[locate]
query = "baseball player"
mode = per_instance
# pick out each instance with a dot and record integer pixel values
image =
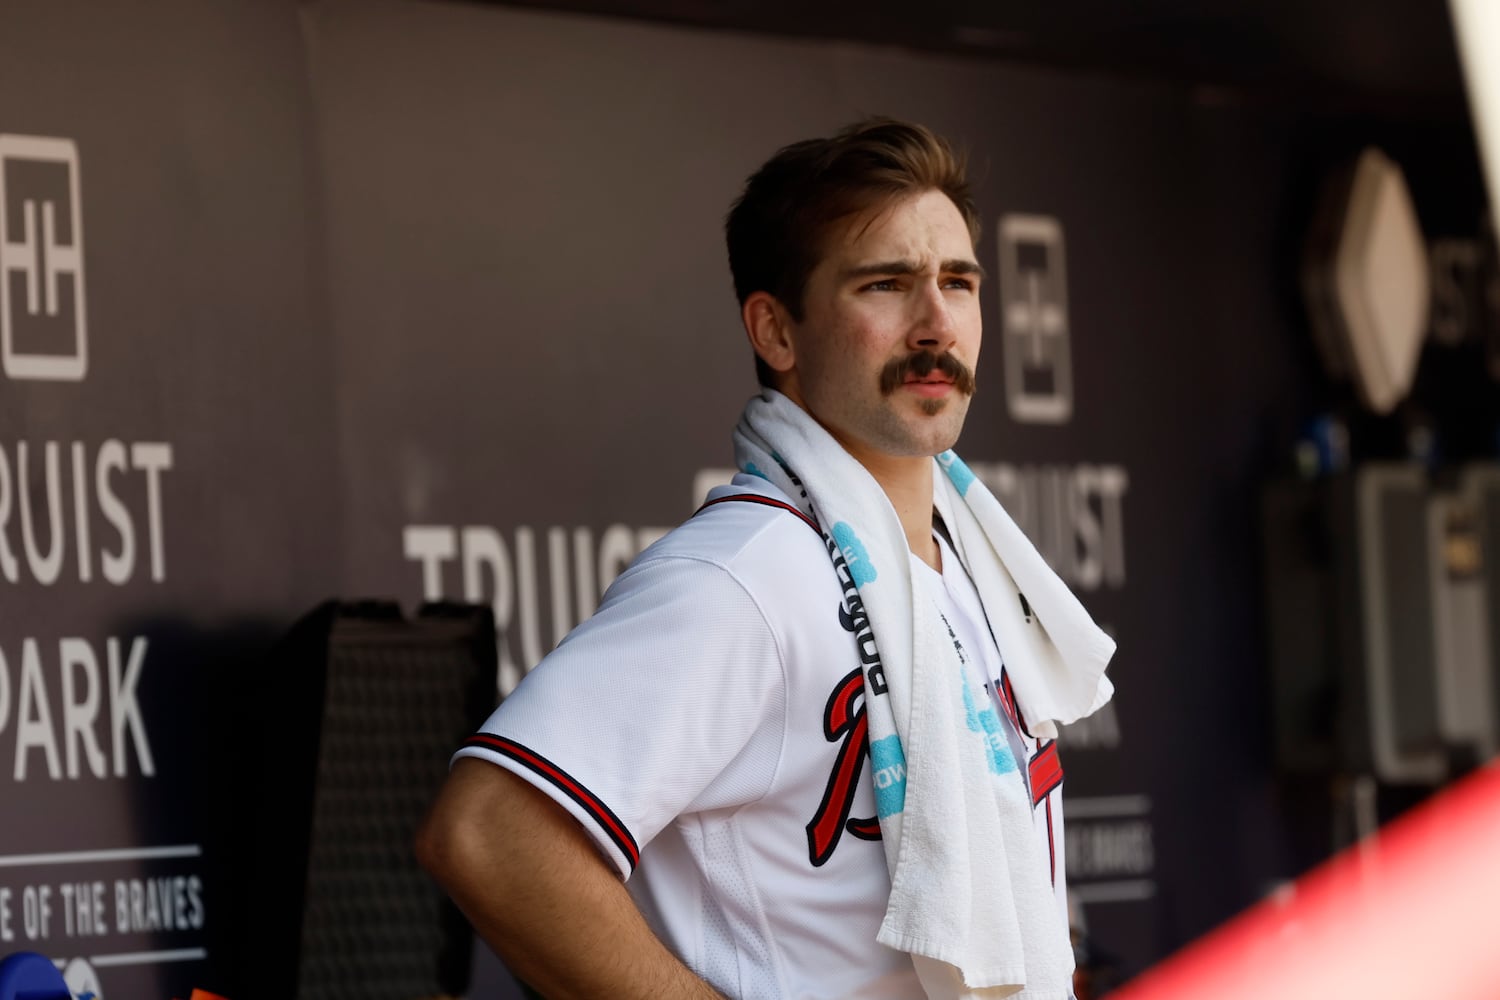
(806, 745)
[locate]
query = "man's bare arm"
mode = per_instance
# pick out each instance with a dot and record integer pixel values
(535, 888)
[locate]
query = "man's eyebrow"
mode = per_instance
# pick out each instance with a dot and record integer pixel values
(963, 266)
(956, 266)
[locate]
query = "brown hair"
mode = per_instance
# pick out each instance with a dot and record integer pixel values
(777, 228)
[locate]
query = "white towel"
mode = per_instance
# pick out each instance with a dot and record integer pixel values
(970, 897)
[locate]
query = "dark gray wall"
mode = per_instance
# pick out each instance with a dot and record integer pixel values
(209, 383)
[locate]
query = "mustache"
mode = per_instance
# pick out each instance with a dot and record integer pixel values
(924, 363)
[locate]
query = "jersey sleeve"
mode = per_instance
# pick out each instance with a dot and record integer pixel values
(669, 700)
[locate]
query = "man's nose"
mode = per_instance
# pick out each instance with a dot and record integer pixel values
(932, 327)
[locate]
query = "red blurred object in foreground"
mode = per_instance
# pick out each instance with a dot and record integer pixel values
(1409, 914)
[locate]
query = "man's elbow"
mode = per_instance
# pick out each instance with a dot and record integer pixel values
(492, 833)
(437, 846)
(454, 840)
(427, 844)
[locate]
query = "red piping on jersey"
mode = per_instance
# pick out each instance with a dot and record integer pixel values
(597, 810)
(1051, 843)
(1012, 707)
(764, 501)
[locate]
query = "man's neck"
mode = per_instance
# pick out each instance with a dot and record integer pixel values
(906, 480)
(908, 485)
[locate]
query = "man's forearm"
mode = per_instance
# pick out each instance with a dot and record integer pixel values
(538, 892)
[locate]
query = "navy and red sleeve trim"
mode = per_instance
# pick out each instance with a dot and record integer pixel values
(600, 813)
(766, 502)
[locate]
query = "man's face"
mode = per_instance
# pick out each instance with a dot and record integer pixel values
(897, 289)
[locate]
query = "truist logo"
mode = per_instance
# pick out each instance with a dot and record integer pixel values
(1034, 307)
(43, 333)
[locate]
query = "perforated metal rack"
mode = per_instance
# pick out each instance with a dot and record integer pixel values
(374, 706)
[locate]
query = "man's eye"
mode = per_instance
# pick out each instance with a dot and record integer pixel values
(964, 283)
(883, 285)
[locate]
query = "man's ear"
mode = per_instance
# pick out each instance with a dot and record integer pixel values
(769, 327)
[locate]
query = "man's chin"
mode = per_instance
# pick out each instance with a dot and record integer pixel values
(941, 421)
(934, 439)
(932, 407)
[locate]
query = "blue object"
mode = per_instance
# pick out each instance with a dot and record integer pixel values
(961, 474)
(856, 556)
(25, 975)
(1323, 448)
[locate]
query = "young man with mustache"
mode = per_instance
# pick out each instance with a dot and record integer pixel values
(805, 748)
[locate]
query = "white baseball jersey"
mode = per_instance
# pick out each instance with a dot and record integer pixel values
(706, 726)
